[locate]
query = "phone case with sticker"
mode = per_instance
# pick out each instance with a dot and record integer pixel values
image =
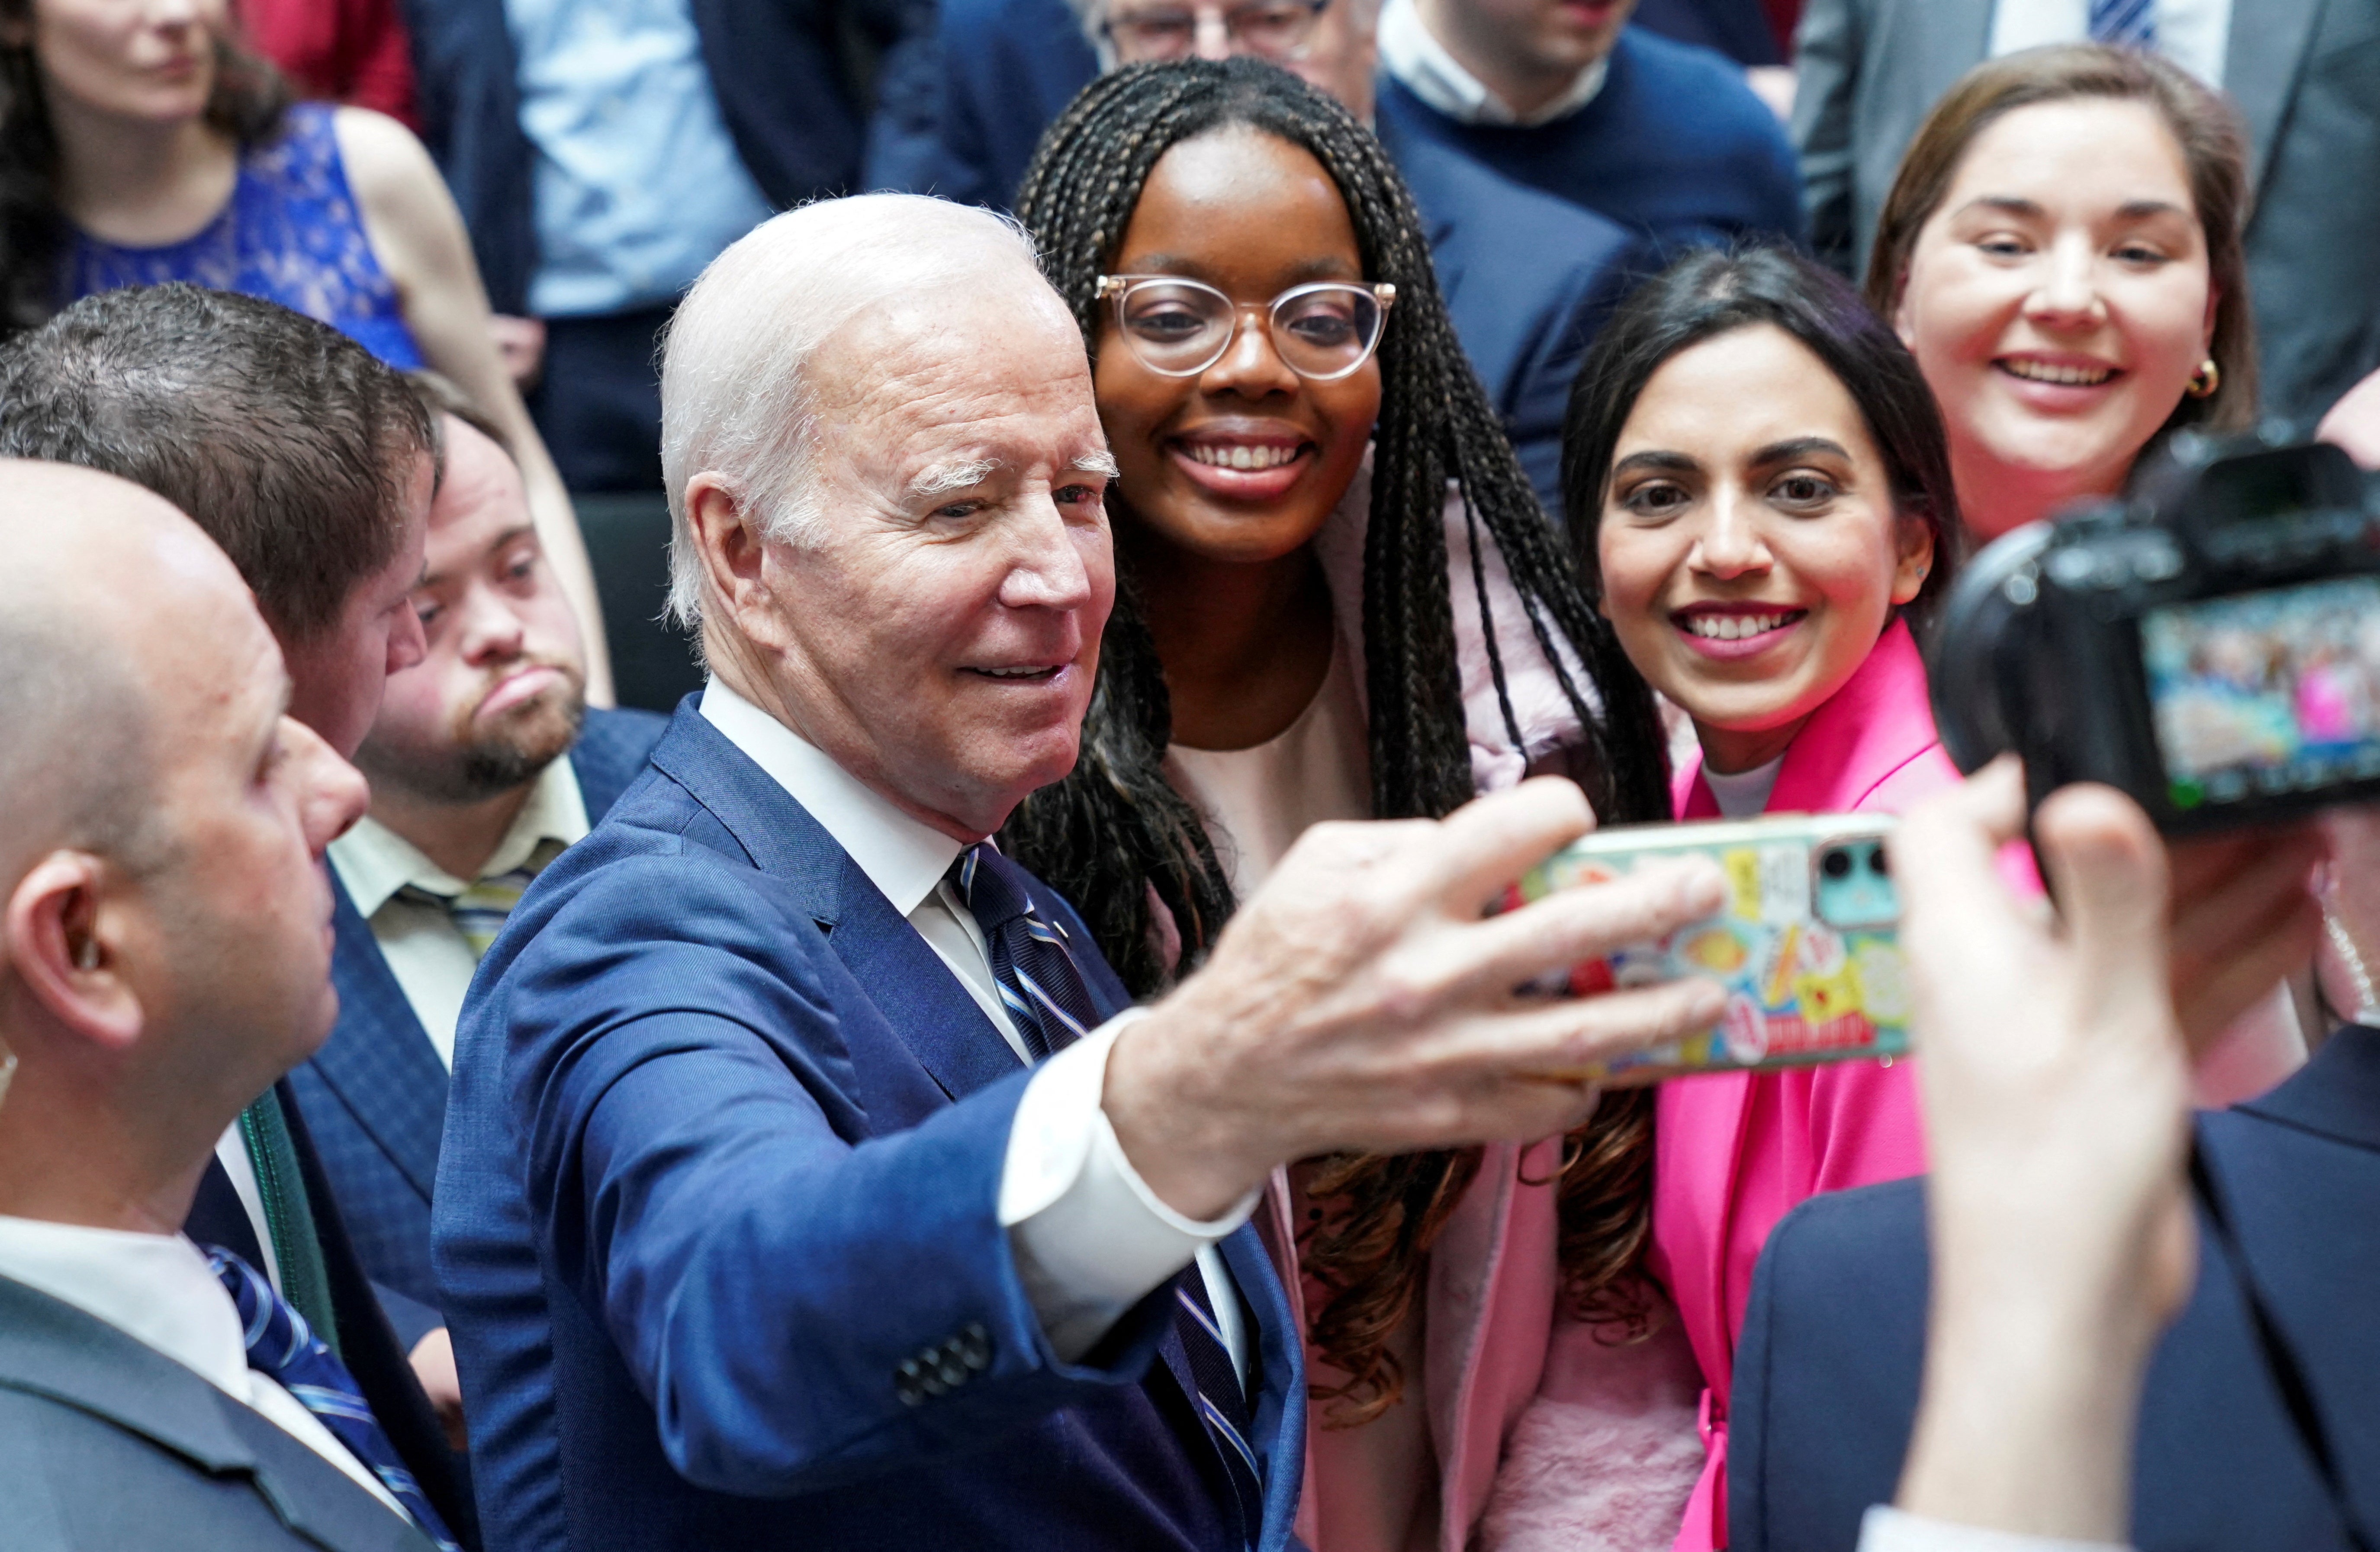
(1807, 946)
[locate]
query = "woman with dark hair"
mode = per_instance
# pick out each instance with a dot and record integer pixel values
(1762, 501)
(1338, 599)
(143, 144)
(2061, 250)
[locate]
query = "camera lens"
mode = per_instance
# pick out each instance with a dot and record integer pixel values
(1876, 864)
(1836, 865)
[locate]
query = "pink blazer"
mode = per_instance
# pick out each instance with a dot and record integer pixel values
(1734, 1152)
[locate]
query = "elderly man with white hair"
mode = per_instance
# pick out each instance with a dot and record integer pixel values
(808, 1181)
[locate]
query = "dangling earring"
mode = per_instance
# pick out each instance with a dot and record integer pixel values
(2206, 379)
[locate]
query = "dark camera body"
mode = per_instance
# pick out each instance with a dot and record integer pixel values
(2211, 645)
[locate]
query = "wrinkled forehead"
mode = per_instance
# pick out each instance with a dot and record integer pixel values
(927, 375)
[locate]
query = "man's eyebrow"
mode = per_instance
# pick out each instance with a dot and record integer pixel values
(939, 480)
(1095, 463)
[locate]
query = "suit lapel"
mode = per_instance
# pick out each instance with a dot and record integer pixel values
(2336, 1093)
(378, 1060)
(2260, 63)
(1277, 1413)
(921, 1000)
(49, 1348)
(942, 1025)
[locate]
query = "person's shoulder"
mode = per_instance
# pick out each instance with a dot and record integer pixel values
(388, 169)
(1503, 218)
(621, 736)
(1699, 93)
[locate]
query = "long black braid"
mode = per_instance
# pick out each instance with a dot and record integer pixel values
(1114, 836)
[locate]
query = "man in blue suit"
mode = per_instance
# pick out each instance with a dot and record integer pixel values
(470, 797)
(1826, 1378)
(807, 1180)
(1528, 278)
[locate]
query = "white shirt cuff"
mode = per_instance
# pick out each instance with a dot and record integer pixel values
(1091, 1240)
(1886, 1529)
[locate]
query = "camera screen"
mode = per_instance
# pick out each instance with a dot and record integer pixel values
(2266, 693)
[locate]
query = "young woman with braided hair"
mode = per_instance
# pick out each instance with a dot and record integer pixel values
(1338, 599)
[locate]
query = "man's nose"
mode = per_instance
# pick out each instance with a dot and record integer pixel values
(1049, 571)
(1210, 35)
(492, 632)
(408, 644)
(331, 793)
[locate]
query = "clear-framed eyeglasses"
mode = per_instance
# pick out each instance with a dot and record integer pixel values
(1179, 328)
(1269, 28)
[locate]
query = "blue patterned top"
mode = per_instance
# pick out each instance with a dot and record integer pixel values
(289, 234)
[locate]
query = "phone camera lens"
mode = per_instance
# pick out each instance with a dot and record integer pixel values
(1836, 865)
(1877, 865)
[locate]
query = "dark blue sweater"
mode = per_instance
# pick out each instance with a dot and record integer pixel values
(1675, 145)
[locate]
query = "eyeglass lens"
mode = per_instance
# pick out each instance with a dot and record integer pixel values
(1320, 330)
(1277, 31)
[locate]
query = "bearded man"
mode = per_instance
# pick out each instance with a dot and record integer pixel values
(470, 797)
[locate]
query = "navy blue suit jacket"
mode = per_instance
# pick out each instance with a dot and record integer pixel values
(723, 1154)
(1528, 280)
(1826, 1374)
(375, 1095)
(1675, 146)
(960, 120)
(775, 67)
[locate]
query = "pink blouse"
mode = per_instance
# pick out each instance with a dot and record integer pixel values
(1734, 1152)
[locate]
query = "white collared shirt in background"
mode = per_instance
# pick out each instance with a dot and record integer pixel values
(1886, 1529)
(158, 1289)
(426, 951)
(2194, 34)
(1091, 1239)
(1420, 63)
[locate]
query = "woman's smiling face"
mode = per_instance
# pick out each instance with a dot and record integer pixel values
(1749, 549)
(2059, 300)
(1242, 461)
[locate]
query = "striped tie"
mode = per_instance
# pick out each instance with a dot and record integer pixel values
(282, 1346)
(2124, 23)
(480, 910)
(1045, 994)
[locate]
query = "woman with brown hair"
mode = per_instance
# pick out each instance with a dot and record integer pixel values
(143, 143)
(2062, 252)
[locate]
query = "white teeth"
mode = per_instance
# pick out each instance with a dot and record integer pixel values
(1732, 628)
(2071, 377)
(1014, 673)
(1241, 456)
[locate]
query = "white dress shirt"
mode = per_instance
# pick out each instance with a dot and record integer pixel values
(1888, 1529)
(2192, 33)
(1091, 1239)
(1415, 57)
(431, 960)
(159, 1289)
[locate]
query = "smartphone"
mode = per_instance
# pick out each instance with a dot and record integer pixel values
(1807, 946)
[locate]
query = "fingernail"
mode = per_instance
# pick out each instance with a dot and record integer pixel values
(1703, 890)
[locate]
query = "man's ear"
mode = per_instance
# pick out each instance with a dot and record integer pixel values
(63, 937)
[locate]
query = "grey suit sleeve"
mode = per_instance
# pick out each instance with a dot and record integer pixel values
(1827, 59)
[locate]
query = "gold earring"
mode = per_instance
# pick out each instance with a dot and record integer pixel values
(2206, 379)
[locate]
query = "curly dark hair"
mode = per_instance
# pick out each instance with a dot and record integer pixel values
(1115, 836)
(245, 104)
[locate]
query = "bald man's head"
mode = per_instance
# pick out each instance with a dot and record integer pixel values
(165, 918)
(99, 570)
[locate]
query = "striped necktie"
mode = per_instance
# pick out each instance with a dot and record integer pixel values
(480, 910)
(282, 1346)
(1045, 994)
(2124, 23)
